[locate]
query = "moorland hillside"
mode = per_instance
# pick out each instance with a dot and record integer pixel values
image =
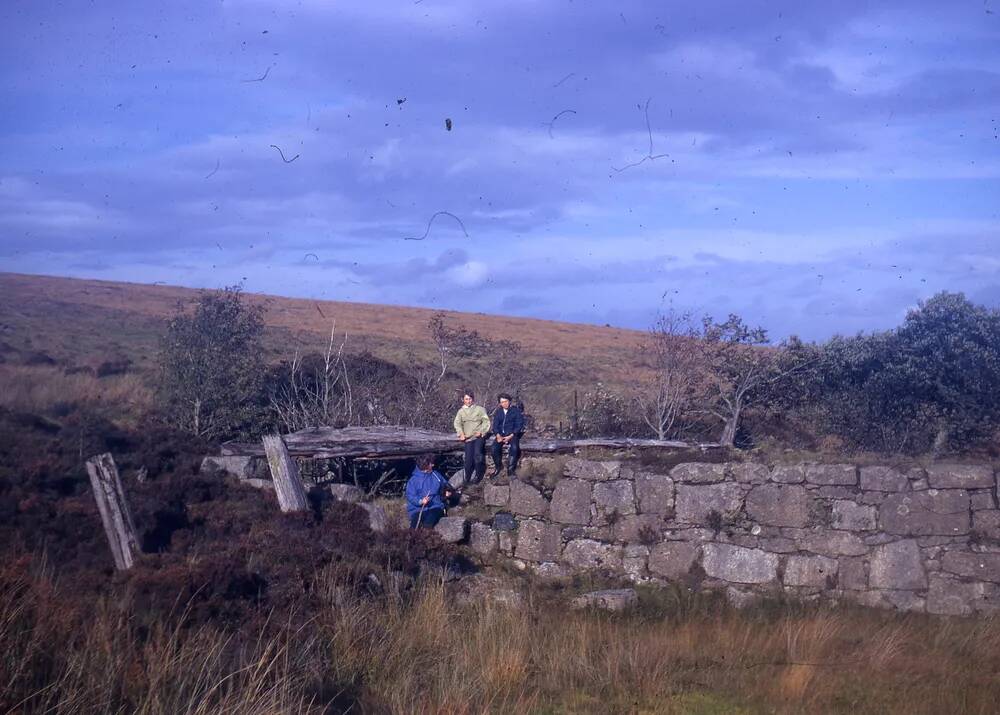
(233, 606)
(77, 322)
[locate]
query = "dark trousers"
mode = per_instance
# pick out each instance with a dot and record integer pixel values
(427, 520)
(475, 458)
(513, 452)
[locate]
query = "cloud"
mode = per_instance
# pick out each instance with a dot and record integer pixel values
(471, 274)
(807, 150)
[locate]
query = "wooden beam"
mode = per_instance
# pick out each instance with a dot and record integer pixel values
(284, 474)
(391, 442)
(115, 514)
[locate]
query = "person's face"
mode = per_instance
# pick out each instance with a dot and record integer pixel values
(466, 400)
(505, 403)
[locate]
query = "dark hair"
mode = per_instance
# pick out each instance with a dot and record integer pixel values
(504, 396)
(426, 462)
(469, 393)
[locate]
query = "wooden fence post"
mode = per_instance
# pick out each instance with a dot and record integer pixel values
(115, 514)
(285, 474)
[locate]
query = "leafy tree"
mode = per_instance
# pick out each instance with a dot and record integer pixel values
(949, 359)
(212, 367)
(739, 368)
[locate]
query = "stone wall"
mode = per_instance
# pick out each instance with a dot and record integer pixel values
(923, 539)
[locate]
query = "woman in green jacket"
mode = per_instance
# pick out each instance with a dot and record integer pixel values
(472, 424)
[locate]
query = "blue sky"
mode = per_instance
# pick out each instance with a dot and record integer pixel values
(817, 168)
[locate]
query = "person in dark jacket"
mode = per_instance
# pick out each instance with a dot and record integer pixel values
(507, 427)
(426, 494)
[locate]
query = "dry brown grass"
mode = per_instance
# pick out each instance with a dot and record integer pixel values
(69, 318)
(297, 314)
(78, 322)
(58, 658)
(418, 653)
(43, 389)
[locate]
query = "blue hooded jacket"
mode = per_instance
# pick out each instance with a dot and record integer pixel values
(423, 484)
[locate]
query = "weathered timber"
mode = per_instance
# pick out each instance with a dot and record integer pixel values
(115, 514)
(392, 441)
(285, 475)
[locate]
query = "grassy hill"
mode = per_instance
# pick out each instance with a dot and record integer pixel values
(84, 322)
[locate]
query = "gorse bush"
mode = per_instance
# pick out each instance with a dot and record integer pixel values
(929, 385)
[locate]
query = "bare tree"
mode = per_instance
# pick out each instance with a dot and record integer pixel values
(667, 401)
(501, 368)
(428, 395)
(455, 343)
(317, 390)
(485, 364)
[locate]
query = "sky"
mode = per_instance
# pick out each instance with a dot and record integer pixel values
(817, 168)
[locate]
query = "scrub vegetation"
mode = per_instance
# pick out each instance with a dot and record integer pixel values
(234, 607)
(410, 649)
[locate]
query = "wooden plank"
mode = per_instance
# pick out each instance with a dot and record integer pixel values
(285, 475)
(115, 513)
(392, 441)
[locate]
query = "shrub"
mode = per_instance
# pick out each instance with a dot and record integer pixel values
(928, 385)
(212, 368)
(607, 414)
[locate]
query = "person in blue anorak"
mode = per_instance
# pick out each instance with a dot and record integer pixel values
(427, 493)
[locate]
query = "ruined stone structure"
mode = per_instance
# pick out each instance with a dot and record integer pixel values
(920, 539)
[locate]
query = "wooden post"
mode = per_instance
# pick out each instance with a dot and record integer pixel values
(285, 474)
(115, 514)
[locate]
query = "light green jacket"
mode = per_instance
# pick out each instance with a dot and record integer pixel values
(469, 420)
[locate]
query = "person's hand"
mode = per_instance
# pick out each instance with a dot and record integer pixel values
(425, 501)
(478, 435)
(461, 437)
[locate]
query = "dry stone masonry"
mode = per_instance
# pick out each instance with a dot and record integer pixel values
(920, 539)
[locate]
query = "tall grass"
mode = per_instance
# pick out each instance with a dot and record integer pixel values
(59, 657)
(415, 652)
(44, 390)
